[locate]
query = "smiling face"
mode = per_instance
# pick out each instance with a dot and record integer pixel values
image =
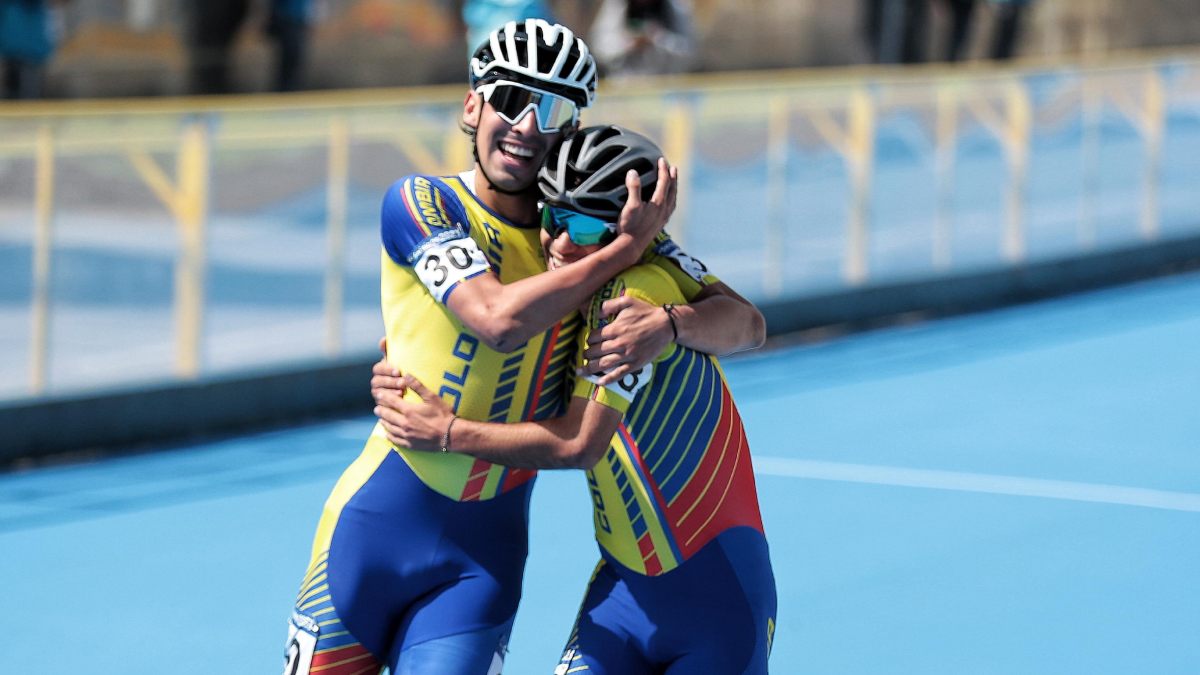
(509, 155)
(560, 250)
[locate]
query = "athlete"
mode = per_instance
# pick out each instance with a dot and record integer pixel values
(684, 584)
(417, 560)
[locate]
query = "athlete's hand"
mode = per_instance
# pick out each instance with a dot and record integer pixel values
(414, 425)
(640, 219)
(385, 376)
(638, 333)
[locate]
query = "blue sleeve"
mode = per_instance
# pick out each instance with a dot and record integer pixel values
(417, 212)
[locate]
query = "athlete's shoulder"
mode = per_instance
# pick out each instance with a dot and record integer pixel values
(688, 271)
(418, 209)
(649, 282)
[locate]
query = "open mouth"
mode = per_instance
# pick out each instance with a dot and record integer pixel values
(555, 260)
(519, 152)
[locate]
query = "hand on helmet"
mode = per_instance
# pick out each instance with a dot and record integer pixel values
(644, 219)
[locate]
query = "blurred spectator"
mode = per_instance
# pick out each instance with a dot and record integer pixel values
(643, 37)
(961, 12)
(481, 17)
(896, 30)
(287, 25)
(212, 26)
(1007, 27)
(28, 38)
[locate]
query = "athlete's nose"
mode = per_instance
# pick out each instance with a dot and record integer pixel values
(566, 247)
(527, 125)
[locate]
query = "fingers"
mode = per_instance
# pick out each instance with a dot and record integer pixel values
(633, 183)
(672, 191)
(599, 346)
(388, 398)
(383, 345)
(664, 187)
(395, 433)
(385, 382)
(614, 306)
(385, 376)
(613, 375)
(600, 365)
(421, 390)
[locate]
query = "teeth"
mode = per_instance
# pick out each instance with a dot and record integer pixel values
(517, 150)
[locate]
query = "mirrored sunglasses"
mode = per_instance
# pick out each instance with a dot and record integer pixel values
(584, 230)
(512, 101)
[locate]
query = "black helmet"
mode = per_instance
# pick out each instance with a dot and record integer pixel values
(586, 172)
(540, 54)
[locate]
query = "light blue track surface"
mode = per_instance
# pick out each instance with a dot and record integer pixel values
(1011, 492)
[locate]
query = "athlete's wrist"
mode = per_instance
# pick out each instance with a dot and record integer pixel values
(446, 440)
(624, 251)
(671, 311)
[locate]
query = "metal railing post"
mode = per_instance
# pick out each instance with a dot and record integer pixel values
(43, 242)
(335, 201)
(944, 157)
(861, 158)
(1091, 102)
(677, 145)
(775, 240)
(1016, 141)
(1153, 127)
(192, 217)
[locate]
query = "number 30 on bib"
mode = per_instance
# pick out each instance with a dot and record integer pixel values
(446, 263)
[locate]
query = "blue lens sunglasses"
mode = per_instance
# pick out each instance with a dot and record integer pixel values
(584, 230)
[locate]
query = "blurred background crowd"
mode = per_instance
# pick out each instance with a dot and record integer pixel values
(102, 48)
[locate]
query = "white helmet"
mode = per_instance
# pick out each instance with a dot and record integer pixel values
(540, 54)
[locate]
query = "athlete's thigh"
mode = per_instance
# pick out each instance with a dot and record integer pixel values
(717, 611)
(386, 546)
(609, 633)
(461, 628)
(336, 619)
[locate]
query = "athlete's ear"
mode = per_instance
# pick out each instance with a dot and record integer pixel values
(472, 109)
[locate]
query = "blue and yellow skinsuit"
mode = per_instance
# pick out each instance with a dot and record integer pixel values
(416, 550)
(684, 584)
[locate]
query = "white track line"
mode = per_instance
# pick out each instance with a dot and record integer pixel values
(977, 482)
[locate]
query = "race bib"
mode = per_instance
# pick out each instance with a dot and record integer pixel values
(627, 387)
(443, 264)
(302, 643)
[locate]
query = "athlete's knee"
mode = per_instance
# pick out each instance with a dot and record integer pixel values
(476, 653)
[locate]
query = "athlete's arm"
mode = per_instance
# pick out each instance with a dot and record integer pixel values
(506, 316)
(577, 440)
(718, 321)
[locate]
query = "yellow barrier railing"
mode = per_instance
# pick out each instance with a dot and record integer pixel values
(772, 111)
